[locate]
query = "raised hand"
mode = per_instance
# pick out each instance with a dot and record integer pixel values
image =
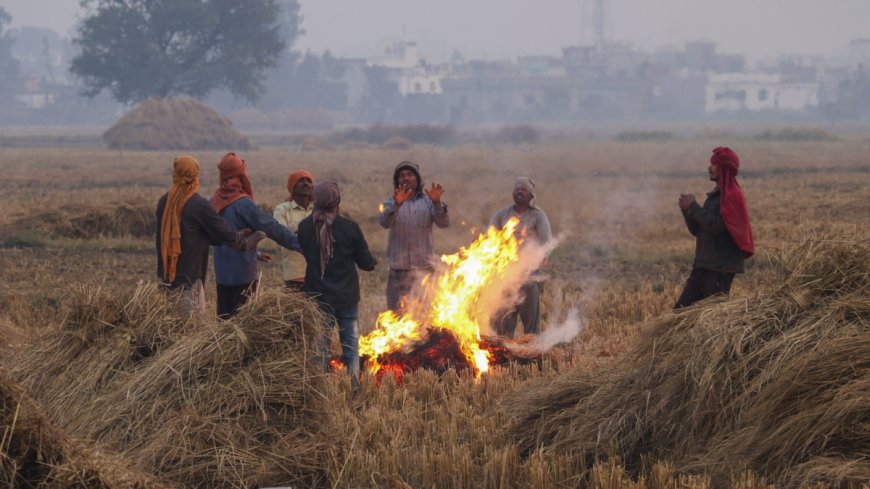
(685, 201)
(402, 193)
(435, 192)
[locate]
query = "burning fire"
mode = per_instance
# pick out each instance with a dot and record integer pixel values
(450, 310)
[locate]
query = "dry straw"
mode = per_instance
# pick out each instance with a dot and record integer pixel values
(174, 124)
(229, 404)
(777, 380)
(90, 221)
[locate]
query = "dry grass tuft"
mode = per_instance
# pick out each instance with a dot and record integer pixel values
(33, 453)
(230, 404)
(174, 124)
(777, 380)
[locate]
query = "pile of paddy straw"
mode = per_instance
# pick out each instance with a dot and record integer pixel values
(135, 220)
(776, 380)
(174, 124)
(214, 404)
(34, 453)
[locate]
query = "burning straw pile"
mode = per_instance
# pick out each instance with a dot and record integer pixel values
(231, 404)
(777, 380)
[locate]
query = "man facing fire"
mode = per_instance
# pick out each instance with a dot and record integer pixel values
(409, 215)
(723, 234)
(533, 227)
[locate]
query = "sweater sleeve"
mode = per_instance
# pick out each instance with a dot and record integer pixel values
(707, 219)
(693, 226)
(362, 256)
(217, 230)
(388, 215)
(258, 220)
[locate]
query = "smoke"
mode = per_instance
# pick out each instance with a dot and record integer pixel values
(554, 334)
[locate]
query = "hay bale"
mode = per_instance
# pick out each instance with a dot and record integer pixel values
(777, 381)
(83, 221)
(34, 453)
(174, 124)
(224, 404)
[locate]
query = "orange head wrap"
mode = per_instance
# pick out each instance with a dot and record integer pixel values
(235, 183)
(294, 178)
(185, 182)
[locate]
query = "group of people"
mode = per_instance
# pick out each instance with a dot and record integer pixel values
(322, 249)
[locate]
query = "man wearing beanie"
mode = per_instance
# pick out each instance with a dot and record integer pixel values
(723, 234)
(409, 215)
(236, 272)
(533, 227)
(186, 226)
(290, 213)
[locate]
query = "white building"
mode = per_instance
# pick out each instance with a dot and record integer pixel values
(411, 73)
(757, 92)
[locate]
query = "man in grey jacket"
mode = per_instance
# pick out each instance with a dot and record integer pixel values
(409, 215)
(533, 227)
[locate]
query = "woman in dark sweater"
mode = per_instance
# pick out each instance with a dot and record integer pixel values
(334, 246)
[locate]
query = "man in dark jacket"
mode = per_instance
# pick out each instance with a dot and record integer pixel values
(187, 225)
(334, 246)
(722, 231)
(236, 272)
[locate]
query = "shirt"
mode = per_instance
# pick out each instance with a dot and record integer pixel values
(533, 223)
(410, 244)
(290, 214)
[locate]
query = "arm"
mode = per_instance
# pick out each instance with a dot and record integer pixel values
(361, 255)
(387, 217)
(709, 220)
(439, 215)
(217, 230)
(258, 220)
(694, 229)
(545, 232)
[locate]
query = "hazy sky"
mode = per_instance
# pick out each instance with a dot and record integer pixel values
(506, 28)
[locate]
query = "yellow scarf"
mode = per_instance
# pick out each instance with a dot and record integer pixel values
(185, 182)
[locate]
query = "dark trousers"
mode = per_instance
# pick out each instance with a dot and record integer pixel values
(703, 283)
(294, 285)
(529, 310)
(231, 297)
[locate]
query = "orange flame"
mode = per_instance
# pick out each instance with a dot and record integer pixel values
(452, 300)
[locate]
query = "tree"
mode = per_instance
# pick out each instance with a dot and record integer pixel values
(138, 49)
(9, 82)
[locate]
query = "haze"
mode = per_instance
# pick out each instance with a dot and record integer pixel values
(495, 29)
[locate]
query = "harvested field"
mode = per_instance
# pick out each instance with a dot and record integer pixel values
(88, 222)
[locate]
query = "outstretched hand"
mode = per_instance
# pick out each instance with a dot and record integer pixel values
(402, 193)
(435, 192)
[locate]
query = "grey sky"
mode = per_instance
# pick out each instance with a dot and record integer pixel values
(506, 28)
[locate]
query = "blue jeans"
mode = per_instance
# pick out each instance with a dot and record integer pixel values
(348, 334)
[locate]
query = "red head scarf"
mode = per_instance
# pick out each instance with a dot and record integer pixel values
(326, 199)
(235, 183)
(294, 178)
(732, 205)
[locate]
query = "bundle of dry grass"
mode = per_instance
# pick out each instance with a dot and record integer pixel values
(229, 404)
(777, 380)
(33, 453)
(177, 124)
(90, 221)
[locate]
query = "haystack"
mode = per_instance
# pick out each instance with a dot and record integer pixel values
(174, 124)
(88, 221)
(777, 381)
(229, 404)
(34, 453)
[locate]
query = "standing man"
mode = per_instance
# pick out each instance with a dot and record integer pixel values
(409, 215)
(186, 226)
(290, 213)
(534, 227)
(236, 272)
(723, 234)
(334, 246)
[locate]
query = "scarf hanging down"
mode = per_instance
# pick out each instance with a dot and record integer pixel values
(235, 183)
(326, 199)
(733, 207)
(185, 182)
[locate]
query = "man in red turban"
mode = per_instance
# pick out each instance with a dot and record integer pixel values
(723, 234)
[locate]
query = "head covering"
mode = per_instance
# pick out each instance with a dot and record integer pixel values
(235, 183)
(294, 178)
(185, 182)
(733, 207)
(529, 185)
(326, 198)
(410, 165)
